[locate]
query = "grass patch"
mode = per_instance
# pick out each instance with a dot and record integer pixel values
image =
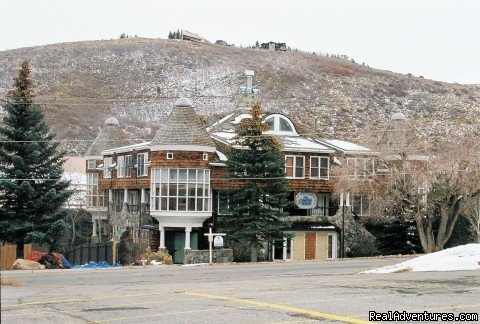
(11, 282)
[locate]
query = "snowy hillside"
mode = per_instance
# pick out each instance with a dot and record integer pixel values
(138, 79)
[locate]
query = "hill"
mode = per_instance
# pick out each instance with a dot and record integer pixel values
(137, 80)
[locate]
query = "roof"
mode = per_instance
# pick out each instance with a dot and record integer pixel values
(313, 226)
(346, 147)
(128, 148)
(111, 135)
(182, 127)
(289, 143)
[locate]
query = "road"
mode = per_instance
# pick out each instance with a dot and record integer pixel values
(246, 293)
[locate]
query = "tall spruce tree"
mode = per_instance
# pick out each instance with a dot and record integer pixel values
(256, 208)
(31, 191)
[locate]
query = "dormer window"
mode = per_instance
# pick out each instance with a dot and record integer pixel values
(280, 125)
(169, 156)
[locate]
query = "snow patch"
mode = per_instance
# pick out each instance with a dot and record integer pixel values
(464, 257)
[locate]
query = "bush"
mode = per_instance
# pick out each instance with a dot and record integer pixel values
(129, 252)
(159, 256)
(362, 246)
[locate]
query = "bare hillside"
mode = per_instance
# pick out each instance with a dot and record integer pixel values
(137, 80)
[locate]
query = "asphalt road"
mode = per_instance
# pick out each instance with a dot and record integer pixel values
(248, 293)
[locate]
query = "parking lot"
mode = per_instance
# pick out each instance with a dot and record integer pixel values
(246, 293)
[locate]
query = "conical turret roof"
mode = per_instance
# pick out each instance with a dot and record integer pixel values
(111, 135)
(182, 128)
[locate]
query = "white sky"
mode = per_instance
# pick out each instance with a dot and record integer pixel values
(439, 39)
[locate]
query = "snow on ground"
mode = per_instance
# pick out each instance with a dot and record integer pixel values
(464, 257)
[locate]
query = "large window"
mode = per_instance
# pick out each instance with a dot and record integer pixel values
(95, 196)
(319, 167)
(361, 205)
(295, 166)
(107, 172)
(142, 164)
(121, 167)
(181, 190)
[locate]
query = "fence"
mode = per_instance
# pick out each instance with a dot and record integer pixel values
(8, 255)
(97, 252)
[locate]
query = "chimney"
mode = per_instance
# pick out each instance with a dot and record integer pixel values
(249, 74)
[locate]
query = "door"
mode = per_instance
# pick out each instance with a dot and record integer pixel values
(310, 245)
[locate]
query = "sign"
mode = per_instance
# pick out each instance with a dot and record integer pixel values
(218, 242)
(306, 200)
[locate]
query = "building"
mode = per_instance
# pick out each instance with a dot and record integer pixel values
(189, 36)
(274, 46)
(169, 190)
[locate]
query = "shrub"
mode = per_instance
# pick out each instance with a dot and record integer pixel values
(159, 256)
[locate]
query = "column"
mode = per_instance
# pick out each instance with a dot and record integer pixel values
(94, 227)
(284, 248)
(162, 238)
(188, 230)
(143, 203)
(110, 195)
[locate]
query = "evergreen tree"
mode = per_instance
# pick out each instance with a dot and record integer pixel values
(31, 192)
(257, 44)
(256, 208)
(170, 35)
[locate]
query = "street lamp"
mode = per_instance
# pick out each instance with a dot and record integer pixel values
(344, 202)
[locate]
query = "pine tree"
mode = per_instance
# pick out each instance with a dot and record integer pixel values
(256, 208)
(31, 192)
(257, 44)
(170, 35)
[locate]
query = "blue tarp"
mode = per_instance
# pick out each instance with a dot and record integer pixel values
(65, 262)
(94, 265)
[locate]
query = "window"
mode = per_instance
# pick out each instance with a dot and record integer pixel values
(121, 167)
(223, 203)
(285, 125)
(181, 190)
(142, 164)
(270, 122)
(169, 156)
(361, 167)
(95, 196)
(295, 166)
(92, 164)
(205, 156)
(128, 166)
(319, 167)
(107, 172)
(361, 205)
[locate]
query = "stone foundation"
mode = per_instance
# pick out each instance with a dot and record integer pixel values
(202, 256)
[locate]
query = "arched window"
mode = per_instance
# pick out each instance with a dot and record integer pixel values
(280, 125)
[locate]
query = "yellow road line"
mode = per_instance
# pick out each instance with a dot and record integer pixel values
(285, 308)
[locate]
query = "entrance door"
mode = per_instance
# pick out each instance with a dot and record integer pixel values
(175, 244)
(310, 245)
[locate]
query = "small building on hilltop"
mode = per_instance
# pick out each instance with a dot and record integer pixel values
(189, 36)
(274, 46)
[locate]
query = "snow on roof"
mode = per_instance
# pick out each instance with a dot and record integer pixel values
(290, 143)
(463, 257)
(239, 118)
(221, 156)
(347, 147)
(219, 122)
(298, 143)
(127, 148)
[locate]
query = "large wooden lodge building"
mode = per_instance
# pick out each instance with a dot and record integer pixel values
(169, 190)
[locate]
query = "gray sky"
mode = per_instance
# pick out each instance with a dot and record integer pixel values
(439, 39)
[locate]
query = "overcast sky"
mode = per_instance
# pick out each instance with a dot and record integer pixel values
(439, 39)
